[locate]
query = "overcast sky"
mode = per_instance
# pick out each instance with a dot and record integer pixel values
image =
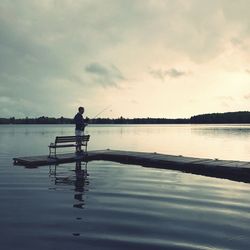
(133, 58)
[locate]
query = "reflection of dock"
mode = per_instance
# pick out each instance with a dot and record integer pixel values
(234, 170)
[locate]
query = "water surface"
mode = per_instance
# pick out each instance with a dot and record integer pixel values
(108, 205)
(229, 142)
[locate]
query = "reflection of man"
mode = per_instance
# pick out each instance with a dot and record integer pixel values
(80, 126)
(79, 180)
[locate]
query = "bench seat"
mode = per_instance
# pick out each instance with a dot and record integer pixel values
(68, 141)
(62, 146)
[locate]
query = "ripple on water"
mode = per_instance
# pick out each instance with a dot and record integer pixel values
(120, 206)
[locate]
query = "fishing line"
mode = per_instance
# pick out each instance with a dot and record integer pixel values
(101, 112)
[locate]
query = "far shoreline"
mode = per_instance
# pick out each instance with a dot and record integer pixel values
(239, 117)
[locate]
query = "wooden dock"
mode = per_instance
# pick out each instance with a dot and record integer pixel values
(233, 170)
(40, 160)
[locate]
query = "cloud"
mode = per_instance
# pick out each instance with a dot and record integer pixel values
(6, 100)
(247, 96)
(157, 73)
(172, 73)
(44, 45)
(226, 98)
(105, 75)
(236, 42)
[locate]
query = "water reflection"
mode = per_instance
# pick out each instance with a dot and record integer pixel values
(30, 129)
(237, 130)
(128, 207)
(227, 141)
(78, 180)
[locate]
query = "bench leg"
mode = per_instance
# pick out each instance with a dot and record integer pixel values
(49, 152)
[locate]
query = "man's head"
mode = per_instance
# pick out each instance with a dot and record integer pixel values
(81, 110)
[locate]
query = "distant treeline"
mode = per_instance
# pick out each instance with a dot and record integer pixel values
(229, 117)
(122, 120)
(39, 120)
(62, 120)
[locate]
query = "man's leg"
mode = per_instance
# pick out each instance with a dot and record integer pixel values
(78, 139)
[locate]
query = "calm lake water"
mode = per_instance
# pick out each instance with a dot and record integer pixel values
(105, 205)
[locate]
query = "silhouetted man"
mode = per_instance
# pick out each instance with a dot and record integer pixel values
(80, 126)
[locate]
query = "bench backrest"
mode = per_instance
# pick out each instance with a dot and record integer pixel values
(66, 139)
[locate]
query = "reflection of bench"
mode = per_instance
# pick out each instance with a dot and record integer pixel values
(69, 141)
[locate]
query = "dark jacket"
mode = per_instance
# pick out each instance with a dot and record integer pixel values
(79, 122)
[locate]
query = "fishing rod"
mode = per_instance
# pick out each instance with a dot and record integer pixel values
(101, 112)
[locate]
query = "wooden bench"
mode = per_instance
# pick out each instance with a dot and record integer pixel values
(68, 141)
